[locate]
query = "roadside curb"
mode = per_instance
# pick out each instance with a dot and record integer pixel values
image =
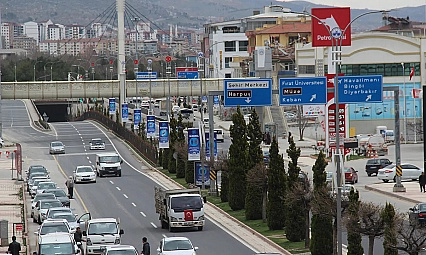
(36, 123)
(397, 195)
(267, 240)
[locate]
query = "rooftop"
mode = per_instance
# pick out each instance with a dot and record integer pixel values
(295, 27)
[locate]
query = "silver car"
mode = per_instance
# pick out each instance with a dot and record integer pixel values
(57, 147)
(71, 218)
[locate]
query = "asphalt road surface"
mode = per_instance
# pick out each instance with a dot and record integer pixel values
(130, 197)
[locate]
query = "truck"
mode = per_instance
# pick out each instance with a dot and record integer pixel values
(375, 143)
(180, 208)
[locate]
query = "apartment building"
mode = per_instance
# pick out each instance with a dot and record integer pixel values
(25, 42)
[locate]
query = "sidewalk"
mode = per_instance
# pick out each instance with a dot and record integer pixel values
(412, 193)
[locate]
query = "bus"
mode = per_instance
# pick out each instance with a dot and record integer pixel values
(187, 114)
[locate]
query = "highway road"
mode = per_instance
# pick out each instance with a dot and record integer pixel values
(130, 198)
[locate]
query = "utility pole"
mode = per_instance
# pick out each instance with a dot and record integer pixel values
(136, 19)
(121, 63)
(203, 142)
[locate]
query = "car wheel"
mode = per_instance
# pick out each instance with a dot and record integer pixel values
(369, 174)
(200, 228)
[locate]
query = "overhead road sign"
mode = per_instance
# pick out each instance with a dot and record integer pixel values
(303, 91)
(361, 89)
(187, 75)
(247, 92)
(146, 75)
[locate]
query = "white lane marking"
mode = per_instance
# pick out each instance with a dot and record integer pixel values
(90, 162)
(83, 143)
(87, 157)
(125, 196)
(117, 188)
(134, 204)
(143, 214)
(164, 236)
(111, 182)
(152, 223)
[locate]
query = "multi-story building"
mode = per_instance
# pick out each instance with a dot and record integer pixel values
(6, 32)
(24, 42)
(31, 30)
(74, 31)
(55, 32)
(43, 31)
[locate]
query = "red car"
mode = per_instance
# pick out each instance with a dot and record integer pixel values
(351, 175)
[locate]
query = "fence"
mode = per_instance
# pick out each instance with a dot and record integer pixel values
(145, 148)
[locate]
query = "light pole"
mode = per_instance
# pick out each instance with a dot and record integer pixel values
(44, 68)
(405, 104)
(78, 70)
(136, 68)
(337, 40)
(34, 69)
(150, 87)
(15, 71)
(203, 143)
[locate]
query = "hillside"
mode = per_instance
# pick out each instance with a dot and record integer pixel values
(187, 13)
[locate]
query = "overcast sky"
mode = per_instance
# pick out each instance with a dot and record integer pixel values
(369, 4)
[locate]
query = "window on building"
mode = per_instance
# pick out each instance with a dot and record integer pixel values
(227, 61)
(306, 69)
(242, 45)
(230, 46)
(388, 69)
(274, 39)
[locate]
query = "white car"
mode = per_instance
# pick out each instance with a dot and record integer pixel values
(409, 172)
(54, 210)
(34, 187)
(57, 147)
(41, 207)
(97, 144)
(1, 142)
(42, 186)
(176, 246)
(33, 180)
(39, 197)
(53, 226)
(84, 174)
(119, 249)
(71, 219)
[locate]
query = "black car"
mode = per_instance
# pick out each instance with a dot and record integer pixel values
(417, 214)
(36, 169)
(60, 195)
(373, 165)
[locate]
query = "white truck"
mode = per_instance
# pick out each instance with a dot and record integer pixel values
(108, 164)
(101, 232)
(180, 208)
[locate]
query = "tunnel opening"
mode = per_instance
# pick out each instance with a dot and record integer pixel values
(54, 112)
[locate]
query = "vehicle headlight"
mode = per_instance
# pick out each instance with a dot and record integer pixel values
(173, 219)
(119, 168)
(89, 242)
(117, 240)
(194, 253)
(201, 217)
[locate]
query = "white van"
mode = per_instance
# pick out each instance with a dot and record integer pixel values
(390, 136)
(219, 135)
(101, 232)
(108, 164)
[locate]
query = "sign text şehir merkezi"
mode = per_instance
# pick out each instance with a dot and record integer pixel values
(258, 84)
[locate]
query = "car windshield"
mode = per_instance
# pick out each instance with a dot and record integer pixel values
(57, 144)
(50, 204)
(177, 245)
(84, 170)
(122, 252)
(54, 228)
(57, 248)
(37, 174)
(49, 185)
(37, 182)
(68, 217)
(58, 193)
(109, 159)
(52, 212)
(97, 142)
(186, 202)
(38, 179)
(43, 197)
(38, 170)
(347, 170)
(102, 228)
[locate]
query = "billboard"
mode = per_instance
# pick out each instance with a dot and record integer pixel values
(331, 23)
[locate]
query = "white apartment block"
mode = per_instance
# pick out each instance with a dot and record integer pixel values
(31, 30)
(74, 31)
(56, 32)
(6, 33)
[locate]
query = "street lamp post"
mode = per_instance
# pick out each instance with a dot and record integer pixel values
(44, 68)
(405, 104)
(203, 144)
(150, 87)
(34, 69)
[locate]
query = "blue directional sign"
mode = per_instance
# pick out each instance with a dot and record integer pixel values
(187, 75)
(247, 92)
(303, 91)
(112, 107)
(124, 112)
(140, 76)
(361, 89)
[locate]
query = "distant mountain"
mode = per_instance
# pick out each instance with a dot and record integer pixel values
(185, 13)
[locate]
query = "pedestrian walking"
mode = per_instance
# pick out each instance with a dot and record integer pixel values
(422, 182)
(14, 247)
(70, 186)
(146, 249)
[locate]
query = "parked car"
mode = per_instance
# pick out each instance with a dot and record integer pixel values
(60, 194)
(41, 207)
(409, 172)
(54, 210)
(71, 219)
(351, 175)
(34, 176)
(374, 165)
(35, 169)
(45, 185)
(417, 214)
(39, 197)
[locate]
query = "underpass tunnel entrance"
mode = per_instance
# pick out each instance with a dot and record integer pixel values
(54, 112)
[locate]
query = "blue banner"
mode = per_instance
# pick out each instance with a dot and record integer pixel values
(163, 136)
(208, 145)
(112, 106)
(194, 144)
(124, 113)
(150, 126)
(216, 101)
(199, 174)
(137, 116)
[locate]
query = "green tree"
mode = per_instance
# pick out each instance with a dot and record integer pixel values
(165, 160)
(160, 157)
(224, 191)
(173, 137)
(189, 174)
(237, 162)
(276, 188)
(294, 219)
(322, 224)
(354, 237)
(390, 236)
(180, 142)
(255, 187)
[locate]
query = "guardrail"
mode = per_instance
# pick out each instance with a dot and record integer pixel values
(145, 148)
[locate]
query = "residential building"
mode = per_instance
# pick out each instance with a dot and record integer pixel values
(43, 31)
(31, 30)
(402, 26)
(55, 32)
(75, 31)
(6, 32)
(24, 42)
